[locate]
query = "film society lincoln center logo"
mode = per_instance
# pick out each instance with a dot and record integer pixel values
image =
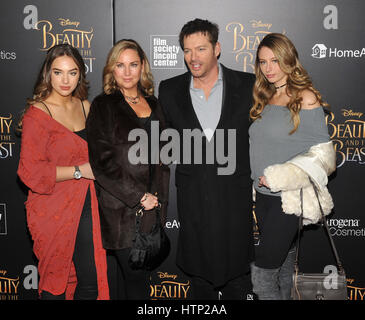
(166, 52)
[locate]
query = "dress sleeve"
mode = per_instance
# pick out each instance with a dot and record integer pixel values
(35, 169)
(108, 157)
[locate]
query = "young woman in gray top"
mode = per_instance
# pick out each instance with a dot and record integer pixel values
(288, 121)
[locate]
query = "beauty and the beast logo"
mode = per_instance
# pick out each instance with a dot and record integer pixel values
(348, 136)
(165, 286)
(6, 138)
(67, 31)
(354, 292)
(246, 41)
(8, 286)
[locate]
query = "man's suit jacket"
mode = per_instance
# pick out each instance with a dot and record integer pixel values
(215, 211)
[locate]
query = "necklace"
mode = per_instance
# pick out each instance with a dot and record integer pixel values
(280, 86)
(133, 100)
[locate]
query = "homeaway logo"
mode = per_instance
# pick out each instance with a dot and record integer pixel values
(319, 51)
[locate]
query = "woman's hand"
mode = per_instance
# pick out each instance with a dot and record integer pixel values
(263, 182)
(86, 171)
(149, 201)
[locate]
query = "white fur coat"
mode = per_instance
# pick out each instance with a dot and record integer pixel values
(317, 164)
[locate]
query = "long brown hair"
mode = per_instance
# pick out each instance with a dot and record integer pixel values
(43, 85)
(145, 84)
(298, 79)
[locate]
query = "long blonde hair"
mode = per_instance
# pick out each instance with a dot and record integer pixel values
(145, 83)
(298, 79)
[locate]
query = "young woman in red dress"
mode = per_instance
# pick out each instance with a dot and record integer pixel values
(62, 209)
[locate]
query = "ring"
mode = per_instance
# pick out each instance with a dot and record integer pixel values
(139, 212)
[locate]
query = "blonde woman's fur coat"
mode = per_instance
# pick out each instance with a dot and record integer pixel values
(289, 177)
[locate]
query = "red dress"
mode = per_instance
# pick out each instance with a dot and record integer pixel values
(54, 208)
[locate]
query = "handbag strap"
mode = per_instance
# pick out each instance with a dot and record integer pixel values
(296, 262)
(140, 213)
(324, 224)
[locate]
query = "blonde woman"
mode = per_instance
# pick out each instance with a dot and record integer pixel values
(127, 103)
(289, 145)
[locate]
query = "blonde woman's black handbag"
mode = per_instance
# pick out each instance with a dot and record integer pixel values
(149, 250)
(318, 286)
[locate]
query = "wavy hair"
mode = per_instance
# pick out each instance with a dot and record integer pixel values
(43, 85)
(298, 79)
(145, 84)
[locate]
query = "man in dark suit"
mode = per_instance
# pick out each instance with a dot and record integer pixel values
(215, 245)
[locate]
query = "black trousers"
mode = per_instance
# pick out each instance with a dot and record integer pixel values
(135, 282)
(83, 259)
(239, 288)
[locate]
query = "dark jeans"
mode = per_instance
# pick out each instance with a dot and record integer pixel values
(277, 230)
(83, 259)
(273, 268)
(274, 284)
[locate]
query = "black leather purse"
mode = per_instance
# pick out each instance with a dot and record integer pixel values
(149, 250)
(318, 286)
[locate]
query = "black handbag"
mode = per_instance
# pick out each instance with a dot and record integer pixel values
(318, 286)
(149, 250)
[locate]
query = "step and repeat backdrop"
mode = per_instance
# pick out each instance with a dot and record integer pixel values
(328, 36)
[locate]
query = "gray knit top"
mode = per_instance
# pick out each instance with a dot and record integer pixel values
(271, 143)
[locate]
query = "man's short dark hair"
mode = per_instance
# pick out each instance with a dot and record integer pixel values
(198, 25)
